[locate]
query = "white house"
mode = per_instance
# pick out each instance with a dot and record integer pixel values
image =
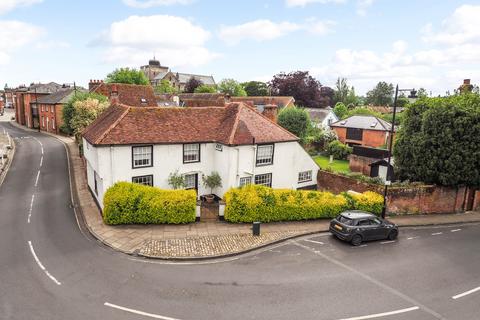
(146, 144)
(322, 117)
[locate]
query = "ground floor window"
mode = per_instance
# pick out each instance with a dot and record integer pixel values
(305, 176)
(244, 181)
(145, 180)
(264, 179)
(191, 181)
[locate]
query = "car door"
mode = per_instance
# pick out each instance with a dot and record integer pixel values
(378, 229)
(367, 229)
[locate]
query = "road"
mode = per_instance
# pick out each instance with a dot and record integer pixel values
(50, 269)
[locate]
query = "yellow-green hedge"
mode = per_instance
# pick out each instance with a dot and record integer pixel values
(259, 203)
(131, 203)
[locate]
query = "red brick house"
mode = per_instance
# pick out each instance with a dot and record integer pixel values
(366, 131)
(50, 109)
(129, 94)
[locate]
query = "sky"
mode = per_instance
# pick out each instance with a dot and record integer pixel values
(415, 43)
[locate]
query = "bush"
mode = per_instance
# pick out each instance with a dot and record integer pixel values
(296, 120)
(368, 201)
(338, 150)
(130, 203)
(259, 203)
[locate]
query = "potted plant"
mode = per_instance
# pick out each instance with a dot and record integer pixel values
(176, 180)
(211, 181)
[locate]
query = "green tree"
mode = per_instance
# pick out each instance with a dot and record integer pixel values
(438, 141)
(340, 110)
(296, 120)
(422, 93)
(344, 93)
(206, 89)
(127, 75)
(69, 110)
(381, 95)
(85, 112)
(232, 88)
(192, 84)
(338, 150)
(255, 88)
(165, 87)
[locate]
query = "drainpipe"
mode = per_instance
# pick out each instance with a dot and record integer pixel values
(254, 158)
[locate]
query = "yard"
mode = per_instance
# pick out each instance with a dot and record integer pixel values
(336, 165)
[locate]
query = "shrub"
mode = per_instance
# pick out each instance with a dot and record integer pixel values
(368, 201)
(212, 181)
(130, 203)
(259, 203)
(338, 150)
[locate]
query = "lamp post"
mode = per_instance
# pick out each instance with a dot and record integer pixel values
(411, 97)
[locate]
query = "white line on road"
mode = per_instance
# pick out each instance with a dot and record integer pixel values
(41, 265)
(437, 233)
(379, 315)
(387, 242)
(313, 241)
(36, 180)
(465, 293)
(41, 161)
(411, 238)
(455, 230)
(151, 315)
(31, 208)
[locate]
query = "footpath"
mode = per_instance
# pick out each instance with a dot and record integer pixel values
(200, 240)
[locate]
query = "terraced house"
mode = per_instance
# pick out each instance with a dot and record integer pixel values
(146, 144)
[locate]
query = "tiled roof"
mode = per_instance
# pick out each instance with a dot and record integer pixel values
(235, 124)
(318, 114)
(279, 101)
(130, 94)
(58, 97)
(363, 122)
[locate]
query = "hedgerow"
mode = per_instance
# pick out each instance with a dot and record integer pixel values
(131, 203)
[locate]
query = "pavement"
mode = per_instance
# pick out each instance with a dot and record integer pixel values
(52, 268)
(200, 240)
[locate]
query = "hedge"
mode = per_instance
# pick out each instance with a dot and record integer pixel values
(259, 203)
(131, 203)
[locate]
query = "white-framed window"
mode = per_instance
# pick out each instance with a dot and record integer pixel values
(42, 107)
(305, 176)
(142, 156)
(43, 121)
(53, 124)
(218, 147)
(245, 181)
(264, 179)
(51, 109)
(145, 180)
(190, 181)
(191, 152)
(264, 155)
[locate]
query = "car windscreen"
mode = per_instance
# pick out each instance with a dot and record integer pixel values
(345, 220)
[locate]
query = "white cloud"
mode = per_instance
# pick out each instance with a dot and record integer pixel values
(362, 6)
(175, 41)
(143, 4)
(258, 30)
(319, 27)
(303, 3)
(52, 44)
(8, 5)
(14, 35)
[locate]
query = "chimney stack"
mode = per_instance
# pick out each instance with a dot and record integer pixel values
(271, 111)
(114, 94)
(466, 82)
(94, 84)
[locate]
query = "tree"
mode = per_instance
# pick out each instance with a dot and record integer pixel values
(299, 84)
(343, 93)
(192, 84)
(165, 87)
(212, 181)
(204, 88)
(338, 150)
(381, 95)
(255, 88)
(422, 93)
(232, 88)
(295, 120)
(340, 110)
(326, 96)
(85, 112)
(176, 180)
(127, 75)
(69, 110)
(438, 141)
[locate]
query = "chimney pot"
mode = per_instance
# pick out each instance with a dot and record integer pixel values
(271, 111)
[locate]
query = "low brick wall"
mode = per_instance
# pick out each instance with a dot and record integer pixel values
(360, 164)
(410, 200)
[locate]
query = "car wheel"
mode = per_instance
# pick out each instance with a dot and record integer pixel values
(356, 240)
(393, 235)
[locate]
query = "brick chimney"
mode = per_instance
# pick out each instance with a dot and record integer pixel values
(466, 82)
(271, 111)
(93, 84)
(114, 94)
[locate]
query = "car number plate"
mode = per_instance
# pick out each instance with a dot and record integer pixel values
(338, 227)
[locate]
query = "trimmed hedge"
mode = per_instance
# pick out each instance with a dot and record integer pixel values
(259, 203)
(131, 203)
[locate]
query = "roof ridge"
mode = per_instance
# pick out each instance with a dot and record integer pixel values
(235, 124)
(114, 124)
(267, 118)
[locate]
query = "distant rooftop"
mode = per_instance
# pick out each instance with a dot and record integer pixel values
(363, 122)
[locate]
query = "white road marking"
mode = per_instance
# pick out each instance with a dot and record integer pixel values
(387, 242)
(41, 265)
(455, 230)
(411, 238)
(151, 315)
(313, 241)
(384, 314)
(360, 246)
(41, 161)
(31, 208)
(437, 233)
(465, 293)
(36, 180)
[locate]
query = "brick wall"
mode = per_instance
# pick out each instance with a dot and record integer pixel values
(360, 164)
(370, 138)
(417, 199)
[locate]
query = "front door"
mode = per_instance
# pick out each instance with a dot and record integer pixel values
(191, 182)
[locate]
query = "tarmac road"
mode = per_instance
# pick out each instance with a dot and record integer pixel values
(50, 269)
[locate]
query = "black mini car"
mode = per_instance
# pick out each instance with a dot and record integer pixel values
(357, 226)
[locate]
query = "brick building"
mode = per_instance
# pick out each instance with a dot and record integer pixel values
(129, 94)
(366, 131)
(50, 109)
